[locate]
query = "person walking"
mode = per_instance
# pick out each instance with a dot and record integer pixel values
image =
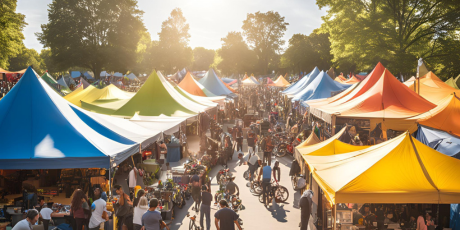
(125, 207)
(239, 142)
(265, 172)
(196, 191)
(45, 214)
(141, 206)
(267, 147)
(225, 218)
(206, 199)
(78, 206)
(305, 204)
(99, 211)
(30, 220)
(152, 220)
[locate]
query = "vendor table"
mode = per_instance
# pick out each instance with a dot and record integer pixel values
(173, 152)
(16, 217)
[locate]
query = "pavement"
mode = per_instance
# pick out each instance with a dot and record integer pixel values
(255, 216)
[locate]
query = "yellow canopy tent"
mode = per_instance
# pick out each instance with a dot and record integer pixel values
(77, 94)
(401, 170)
(330, 146)
(91, 94)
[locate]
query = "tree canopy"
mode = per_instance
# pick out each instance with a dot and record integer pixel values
(395, 32)
(202, 58)
(11, 26)
(264, 33)
(236, 55)
(172, 51)
(93, 34)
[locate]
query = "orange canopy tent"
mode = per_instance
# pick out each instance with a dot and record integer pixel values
(353, 80)
(228, 87)
(188, 84)
(340, 79)
(280, 82)
(432, 88)
(444, 116)
(382, 99)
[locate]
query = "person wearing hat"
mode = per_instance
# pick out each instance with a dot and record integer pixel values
(231, 186)
(206, 199)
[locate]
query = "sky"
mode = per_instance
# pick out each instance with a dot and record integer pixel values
(209, 20)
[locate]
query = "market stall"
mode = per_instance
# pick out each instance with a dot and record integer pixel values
(399, 171)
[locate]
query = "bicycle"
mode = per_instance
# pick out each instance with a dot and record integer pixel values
(192, 225)
(279, 192)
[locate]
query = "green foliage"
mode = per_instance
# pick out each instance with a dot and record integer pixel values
(306, 52)
(395, 32)
(236, 55)
(264, 32)
(27, 57)
(93, 34)
(11, 26)
(446, 62)
(202, 58)
(172, 52)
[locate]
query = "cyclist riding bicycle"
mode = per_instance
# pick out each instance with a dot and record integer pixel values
(266, 172)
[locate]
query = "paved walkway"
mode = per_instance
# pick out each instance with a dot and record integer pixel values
(255, 216)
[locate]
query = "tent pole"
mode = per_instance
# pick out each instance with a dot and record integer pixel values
(334, 213)
(110, 179)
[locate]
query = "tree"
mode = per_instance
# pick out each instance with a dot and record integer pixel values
(93, 34)
(202, 58)
(27, 57)
(236, 55)
(173, 51)
(11, 26)
(395, 32)
(305, 52)
(264, 32)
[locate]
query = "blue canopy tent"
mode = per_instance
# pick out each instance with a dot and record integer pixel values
(321, 87)
(439, 140)
(75, 74)
(212, 83)
(300, 85)
(39, 130)
(88, 75)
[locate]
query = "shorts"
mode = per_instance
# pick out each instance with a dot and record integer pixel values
(252, 168)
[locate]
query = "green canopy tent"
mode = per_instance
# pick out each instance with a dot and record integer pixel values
(454, 82)
(154, 98)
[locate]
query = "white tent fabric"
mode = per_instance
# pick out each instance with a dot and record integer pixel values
(251, 81)
(117, 74)
(166, 124)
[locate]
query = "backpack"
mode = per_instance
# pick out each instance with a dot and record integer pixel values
(301, 183)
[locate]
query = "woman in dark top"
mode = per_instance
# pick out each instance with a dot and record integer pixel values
(78, 204)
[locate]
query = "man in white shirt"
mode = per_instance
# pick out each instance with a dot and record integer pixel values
(28, 222)
(45, 214)
(98, 207)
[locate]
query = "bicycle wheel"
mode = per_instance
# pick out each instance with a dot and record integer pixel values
(191, 226)
(257, 188)
(261, 198)
(281, 193)
(282, 150)
(246, 174)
